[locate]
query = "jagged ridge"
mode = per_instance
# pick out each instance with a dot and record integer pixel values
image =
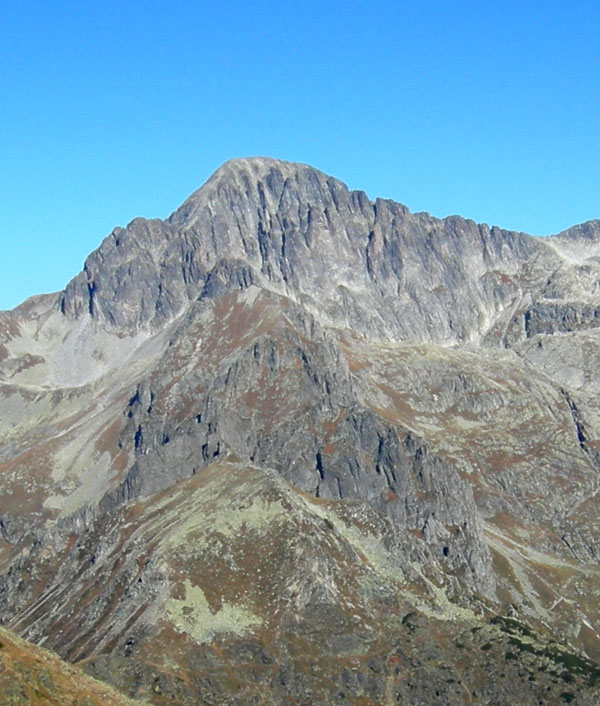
(372, 266)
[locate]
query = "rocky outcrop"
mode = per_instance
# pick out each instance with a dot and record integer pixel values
(372, 266)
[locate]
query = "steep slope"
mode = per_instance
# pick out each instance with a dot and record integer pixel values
(32, 676)
(293, 446)
(374, 267)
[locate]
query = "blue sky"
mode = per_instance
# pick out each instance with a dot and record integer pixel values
(115, 110)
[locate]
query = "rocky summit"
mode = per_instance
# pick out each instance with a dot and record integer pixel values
(294, 446)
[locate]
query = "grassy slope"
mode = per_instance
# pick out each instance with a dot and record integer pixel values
(32, 676)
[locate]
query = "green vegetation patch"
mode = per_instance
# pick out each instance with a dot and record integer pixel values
(193, 616)
(524, 640)
(509, 625)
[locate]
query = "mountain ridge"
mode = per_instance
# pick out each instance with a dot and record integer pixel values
(292, 442)
(588, 228)
(233, 202)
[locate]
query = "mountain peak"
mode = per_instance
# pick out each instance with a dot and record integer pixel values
(257, 164)
(260, 167)
(294, 230)
(587, 231)
(243, 175)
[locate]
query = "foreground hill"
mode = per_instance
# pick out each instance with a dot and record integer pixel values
(32, 676)
(294, 446)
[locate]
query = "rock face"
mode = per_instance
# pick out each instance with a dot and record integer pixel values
(373, 267)
(294, 446)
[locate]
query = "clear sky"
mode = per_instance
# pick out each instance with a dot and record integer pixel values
(112, 110)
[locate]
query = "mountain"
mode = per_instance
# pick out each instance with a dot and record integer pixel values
(290, 445)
